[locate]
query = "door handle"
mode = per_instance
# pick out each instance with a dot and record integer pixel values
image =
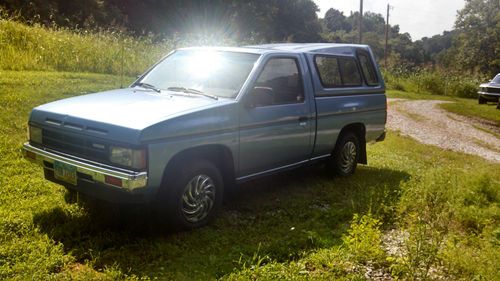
(303, 120)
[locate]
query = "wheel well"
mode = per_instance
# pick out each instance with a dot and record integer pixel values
(219, 155)
(360, 131)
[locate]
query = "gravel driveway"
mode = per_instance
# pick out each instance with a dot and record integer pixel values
(426, 122)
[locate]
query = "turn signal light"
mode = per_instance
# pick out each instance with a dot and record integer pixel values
(113, 180)
(31, 155)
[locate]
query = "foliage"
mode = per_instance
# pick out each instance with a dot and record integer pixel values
(477, 46)
(435, 81)
(434, 48)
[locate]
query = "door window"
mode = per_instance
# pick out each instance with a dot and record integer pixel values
(282, 76)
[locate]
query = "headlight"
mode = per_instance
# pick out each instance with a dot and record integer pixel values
(133, 158)
(35, 134)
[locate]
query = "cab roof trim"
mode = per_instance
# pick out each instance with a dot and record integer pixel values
(324, 48)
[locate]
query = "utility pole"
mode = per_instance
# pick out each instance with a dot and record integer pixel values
(360, 21)
(386, 36)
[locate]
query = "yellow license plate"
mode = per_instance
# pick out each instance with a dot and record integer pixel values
(65, 172)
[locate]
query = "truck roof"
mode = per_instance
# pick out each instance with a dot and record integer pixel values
(324, 48)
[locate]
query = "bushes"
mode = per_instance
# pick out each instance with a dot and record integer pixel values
(436, 82)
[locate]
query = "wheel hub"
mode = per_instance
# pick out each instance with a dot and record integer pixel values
(198, 198)
(348, 157)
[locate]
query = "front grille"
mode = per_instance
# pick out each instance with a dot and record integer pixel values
(493, 90)
(76, 145)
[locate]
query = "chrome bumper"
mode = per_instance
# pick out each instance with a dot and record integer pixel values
(130, 179)
(489, 94)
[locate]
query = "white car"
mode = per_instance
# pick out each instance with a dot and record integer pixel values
(490, 91)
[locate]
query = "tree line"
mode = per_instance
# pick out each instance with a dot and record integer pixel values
(473, 46)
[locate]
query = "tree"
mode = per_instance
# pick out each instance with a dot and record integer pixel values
(478, 42)
(335, 20)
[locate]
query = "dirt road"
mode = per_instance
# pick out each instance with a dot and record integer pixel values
(426, 122)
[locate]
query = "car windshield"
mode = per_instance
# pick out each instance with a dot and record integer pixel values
(217, 73)
(496, 80)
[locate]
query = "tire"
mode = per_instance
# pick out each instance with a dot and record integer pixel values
(345, 155)
(481, 100)
(191, 199)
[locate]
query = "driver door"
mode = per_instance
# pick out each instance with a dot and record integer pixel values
(275, 119)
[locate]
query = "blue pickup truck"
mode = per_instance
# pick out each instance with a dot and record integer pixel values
(204, 119)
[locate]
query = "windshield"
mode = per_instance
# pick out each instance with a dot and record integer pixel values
(496, 80)
(217, 73)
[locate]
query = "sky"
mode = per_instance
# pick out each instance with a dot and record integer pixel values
(420, 18)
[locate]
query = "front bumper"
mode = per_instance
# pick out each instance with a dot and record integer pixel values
(489, 96)
(87, 171)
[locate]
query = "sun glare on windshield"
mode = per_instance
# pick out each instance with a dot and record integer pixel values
(214, 72)
(202, 63)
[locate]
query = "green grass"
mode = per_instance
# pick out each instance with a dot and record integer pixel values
(298, 225)
(472, 108)
(461, 106)
(24, 47)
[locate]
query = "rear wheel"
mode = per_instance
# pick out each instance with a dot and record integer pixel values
(346, 155)
(192, 198)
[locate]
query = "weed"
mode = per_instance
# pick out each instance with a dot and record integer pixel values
(364, 239)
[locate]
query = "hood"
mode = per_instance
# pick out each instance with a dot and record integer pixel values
(131, 108)
(119, 114)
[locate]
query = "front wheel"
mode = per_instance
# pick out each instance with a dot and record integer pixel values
(345, 155)
(191, 199)
(481, 100)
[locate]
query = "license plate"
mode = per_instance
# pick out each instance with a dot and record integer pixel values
(65, 172)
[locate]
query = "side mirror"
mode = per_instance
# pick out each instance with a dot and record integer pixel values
(260, 96)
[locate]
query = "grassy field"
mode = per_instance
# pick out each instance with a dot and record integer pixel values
(443, 206)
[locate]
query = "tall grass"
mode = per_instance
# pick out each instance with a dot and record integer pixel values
(24, 47)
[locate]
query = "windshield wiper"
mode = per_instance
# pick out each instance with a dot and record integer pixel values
(191, 91)
(147, 86)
